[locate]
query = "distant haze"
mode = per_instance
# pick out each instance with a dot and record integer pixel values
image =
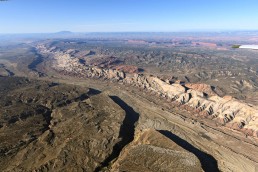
(48, 16)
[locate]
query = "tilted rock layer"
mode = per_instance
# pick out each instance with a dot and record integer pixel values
(197, 98)
(52, 127)
(152, 151)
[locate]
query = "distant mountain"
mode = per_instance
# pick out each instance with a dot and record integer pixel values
(241, 35)
(63, 32)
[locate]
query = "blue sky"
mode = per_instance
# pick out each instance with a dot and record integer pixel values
(37, 16)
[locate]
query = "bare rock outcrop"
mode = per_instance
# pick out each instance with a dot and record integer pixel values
(79, 137)
(201, 87)
(152, 151)
(3, 72)
(127, 68)
(105, 73)
(200, 99)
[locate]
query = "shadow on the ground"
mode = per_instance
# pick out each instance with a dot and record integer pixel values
(208, 162)
(126, 131)
(93, 92)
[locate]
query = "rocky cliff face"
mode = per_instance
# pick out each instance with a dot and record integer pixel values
(225, 110)
(48, 126)
(200, 99)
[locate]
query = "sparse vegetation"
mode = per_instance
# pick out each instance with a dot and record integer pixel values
(236, 46)
(71, 123)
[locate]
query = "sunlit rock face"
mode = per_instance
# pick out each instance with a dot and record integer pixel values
(200, 99)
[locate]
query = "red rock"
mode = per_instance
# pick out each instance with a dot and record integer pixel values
(202, 88)
(127, 68)
(235, 126)
(248, 132)
(255, 133)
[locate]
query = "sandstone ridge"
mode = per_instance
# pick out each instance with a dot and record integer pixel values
(198, 99)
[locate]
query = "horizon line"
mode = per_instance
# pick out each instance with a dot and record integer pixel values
(176, 31)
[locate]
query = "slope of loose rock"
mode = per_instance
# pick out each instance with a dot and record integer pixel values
(76, 135)
(152, 151)
(200, 99)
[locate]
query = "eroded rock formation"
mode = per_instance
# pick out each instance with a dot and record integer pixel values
(152, 150)
(54, 127)
(200, 99)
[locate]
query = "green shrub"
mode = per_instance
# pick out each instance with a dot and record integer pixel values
(236, 46)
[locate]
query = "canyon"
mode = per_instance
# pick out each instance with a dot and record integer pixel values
(71, 105)
(199, 99)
